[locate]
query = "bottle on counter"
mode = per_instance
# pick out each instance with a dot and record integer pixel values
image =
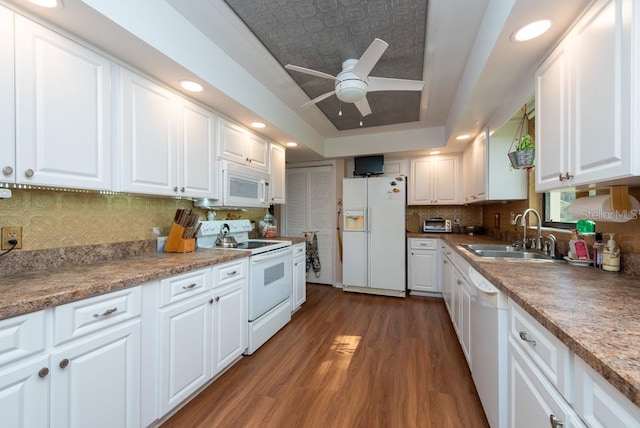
(598, 246)
(611, 255)
(577, 247)
(268, 226)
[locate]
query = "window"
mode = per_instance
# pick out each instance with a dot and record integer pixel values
(556, 209)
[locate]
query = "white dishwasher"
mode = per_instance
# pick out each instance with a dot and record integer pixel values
(489, 340)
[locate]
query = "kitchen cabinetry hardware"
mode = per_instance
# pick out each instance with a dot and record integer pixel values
(64, 363)
(190, 286)
(217, 298)
(555, 422)
(458, 282)
(175, 188)
(211, 301)
(29, 172)
(232, 273)
(43, 372)
(523, 336)
(182, 189)
(7, 170)
(105, 313)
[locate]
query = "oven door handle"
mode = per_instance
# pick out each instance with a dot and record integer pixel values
(258, 258)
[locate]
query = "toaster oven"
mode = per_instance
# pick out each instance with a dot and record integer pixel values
(436, 225)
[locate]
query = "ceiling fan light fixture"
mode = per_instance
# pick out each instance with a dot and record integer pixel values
(531, 30)
(350, 91)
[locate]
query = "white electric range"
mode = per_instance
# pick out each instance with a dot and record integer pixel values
(270, 277)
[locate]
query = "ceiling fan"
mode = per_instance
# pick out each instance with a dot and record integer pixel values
(353, 83)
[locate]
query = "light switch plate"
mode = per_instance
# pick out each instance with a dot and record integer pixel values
(5, 193)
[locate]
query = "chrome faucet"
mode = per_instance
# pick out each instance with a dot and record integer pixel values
(523, 223)
(550, 245)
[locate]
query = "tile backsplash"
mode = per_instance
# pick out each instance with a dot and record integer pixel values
(53, 219)
(469, 215)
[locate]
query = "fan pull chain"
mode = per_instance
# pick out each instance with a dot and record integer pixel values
(340, 108)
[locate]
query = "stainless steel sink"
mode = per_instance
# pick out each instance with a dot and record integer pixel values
(504, 251)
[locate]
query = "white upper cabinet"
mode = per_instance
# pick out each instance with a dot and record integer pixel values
(63, 110)
(278, 174)
(167, 142)
(7, 99)
(586, 101)
(149, 138)
(239, 145)
(197, 166)
(434, 181)
(487, 173)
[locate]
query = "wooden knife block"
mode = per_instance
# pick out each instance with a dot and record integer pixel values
(176, 244)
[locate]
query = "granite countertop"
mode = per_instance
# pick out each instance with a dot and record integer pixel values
(43, 288)
(595, 313)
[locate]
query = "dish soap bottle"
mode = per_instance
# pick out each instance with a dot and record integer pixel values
(611, 255)
(578, 247)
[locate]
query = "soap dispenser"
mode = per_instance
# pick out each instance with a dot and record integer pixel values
(611, 255)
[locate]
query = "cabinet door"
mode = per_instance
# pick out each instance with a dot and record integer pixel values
(63, 111)
(233, 141)
(299, 291)
(447, 284)
(479, 172)
(420, 183)
(423, 271)
(24, 393)
(552, 119)
(197, 164)
(533, 402)
(258, 152)
(446, 181)
(185, 350)
(148, 137)
(7, 98)
(464, 329)
(601, 93)
(230, 324)
(278, 173)
(96, 380)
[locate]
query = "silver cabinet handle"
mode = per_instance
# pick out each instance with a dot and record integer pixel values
(175, 188)
(217, 298)
(232, 273)
(29, 173)
(64, 363)
(105, 313)
(445, 262)
(523, 336)
(189, 287)
(7, 170)
(458, 281)
(211, 301)
(182, 189)
(43, 372)
(555, 422)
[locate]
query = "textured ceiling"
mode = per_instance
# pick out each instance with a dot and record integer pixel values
(321, 34)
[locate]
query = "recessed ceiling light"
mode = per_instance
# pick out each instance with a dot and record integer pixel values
(291, 144)
(191, 86)
(258, 125)
(434, 152)
(463, 137)
(531, 31)
(47, 3)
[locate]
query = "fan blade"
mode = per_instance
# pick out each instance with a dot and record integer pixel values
(318, 99)
(309, 71)
(363, 106)
(389, 84)
(369, 58)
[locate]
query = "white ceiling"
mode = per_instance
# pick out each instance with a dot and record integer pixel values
(475, 75)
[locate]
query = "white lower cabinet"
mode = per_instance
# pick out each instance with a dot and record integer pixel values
(95, 381)
(464, 314)
(423, 262)
(24, 393)
(299, 286)
(533, 401)
(447, 278)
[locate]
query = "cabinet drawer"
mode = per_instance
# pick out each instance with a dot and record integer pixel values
(551, 356)
(183, 286)
(299, 250)
(86, 316)
(231, 271)
(423, 244)
(599, 403)
(21, 336)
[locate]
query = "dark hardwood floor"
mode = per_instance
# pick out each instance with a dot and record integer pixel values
(347, 360)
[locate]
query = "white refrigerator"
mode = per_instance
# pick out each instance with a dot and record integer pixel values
(374, 235)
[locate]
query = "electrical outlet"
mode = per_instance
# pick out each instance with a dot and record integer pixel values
(9, 233)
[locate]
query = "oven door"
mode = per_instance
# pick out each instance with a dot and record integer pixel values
(269, 281)
(244, 187)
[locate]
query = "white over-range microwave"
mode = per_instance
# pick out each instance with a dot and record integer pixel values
(239, 186)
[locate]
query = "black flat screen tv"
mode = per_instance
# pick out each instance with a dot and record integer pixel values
(365, 166)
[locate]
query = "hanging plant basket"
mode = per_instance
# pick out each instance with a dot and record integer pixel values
(523, 155)
(522, 158)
